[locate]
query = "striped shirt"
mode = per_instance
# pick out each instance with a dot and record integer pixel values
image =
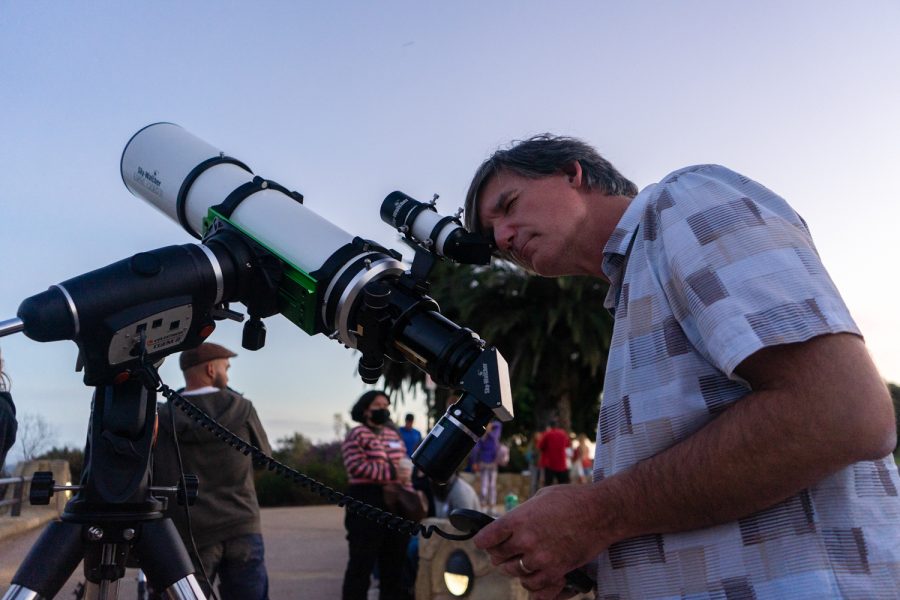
(370, 457)
(706, 268)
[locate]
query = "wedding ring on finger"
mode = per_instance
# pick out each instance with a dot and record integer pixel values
(525, 569)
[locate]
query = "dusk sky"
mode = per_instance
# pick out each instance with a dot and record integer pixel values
(348, 101)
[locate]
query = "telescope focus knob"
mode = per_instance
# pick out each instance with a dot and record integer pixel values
(370, 368)
(373, 319)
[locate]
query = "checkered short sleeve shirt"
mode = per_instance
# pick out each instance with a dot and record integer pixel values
(707, 267)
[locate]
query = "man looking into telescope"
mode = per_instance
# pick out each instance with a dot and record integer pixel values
(225, 519)
(744, 441)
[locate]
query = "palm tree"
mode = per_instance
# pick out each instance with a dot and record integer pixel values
(554, 333)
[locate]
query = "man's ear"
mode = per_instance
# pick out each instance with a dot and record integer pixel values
(210, 369)
(573, 173)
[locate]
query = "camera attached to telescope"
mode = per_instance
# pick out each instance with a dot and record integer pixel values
(262, 247)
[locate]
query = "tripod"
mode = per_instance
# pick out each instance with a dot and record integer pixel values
(114, 518)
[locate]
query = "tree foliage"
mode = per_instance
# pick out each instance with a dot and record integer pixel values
(554, 333)
(323, 462)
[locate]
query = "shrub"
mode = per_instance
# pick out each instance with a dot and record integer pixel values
(322, 462)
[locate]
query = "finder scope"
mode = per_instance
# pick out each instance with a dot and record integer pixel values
(421, 225)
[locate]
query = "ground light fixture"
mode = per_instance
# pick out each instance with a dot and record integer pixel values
(459, 576)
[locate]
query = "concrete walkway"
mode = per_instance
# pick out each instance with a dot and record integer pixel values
(305, 553)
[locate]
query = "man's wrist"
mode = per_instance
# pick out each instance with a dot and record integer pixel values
(611, 510)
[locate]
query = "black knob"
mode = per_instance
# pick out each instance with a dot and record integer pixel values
(41, 487)
(189, 489)
(254, 334)
(371, 367)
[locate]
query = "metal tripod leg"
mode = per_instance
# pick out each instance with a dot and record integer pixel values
(49, 563)
(56, 554)
(165, 560)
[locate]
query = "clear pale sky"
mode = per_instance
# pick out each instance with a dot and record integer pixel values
(348, 101)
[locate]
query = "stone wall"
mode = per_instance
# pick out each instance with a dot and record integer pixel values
(61, 475)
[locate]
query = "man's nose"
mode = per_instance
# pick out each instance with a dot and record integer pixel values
(504, 236)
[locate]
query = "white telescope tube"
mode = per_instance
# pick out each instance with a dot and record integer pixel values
(159, 161)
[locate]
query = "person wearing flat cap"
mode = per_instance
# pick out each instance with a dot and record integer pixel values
(225, 519)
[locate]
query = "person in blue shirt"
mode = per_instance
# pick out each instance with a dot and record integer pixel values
(411, 436)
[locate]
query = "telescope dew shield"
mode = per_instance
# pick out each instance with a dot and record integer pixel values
(160, 159)
(160, 164)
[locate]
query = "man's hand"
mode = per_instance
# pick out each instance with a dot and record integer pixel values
(558, 530)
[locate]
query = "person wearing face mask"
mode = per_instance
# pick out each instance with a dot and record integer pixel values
(374, 455)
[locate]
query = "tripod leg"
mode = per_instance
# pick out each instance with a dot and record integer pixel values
(49, 563)
(142, 592)
(165, 560)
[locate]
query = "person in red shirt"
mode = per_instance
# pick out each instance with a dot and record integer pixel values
(553, 444)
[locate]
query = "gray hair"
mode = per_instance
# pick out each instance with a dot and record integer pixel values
(542, 155)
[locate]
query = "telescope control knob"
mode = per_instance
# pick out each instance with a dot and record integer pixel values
(41, 488)
(370, 368)
(254, 334)
(189, 490)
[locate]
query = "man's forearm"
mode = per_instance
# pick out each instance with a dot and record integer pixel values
(766, 447)
(736, 465)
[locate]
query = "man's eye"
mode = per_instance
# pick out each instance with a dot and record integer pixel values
(510, 203)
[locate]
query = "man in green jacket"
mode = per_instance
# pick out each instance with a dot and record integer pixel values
(225, 519)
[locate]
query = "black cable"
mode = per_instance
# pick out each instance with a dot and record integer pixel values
(260, 458)
(152, 380)
(187, 509)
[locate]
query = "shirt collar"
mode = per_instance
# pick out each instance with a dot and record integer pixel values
(615, 252)
(197, 391)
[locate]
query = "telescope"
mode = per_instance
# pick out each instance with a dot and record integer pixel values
(262, 247)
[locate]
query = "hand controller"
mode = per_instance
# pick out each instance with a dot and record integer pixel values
(472, 521)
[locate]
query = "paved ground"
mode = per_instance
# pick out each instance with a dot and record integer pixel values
(305, 552)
